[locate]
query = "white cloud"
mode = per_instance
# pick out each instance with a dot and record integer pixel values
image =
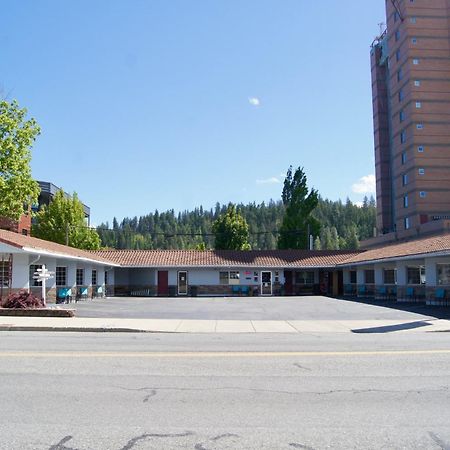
(271, 180)
(358, 204)
(365, 185)
(254, 101)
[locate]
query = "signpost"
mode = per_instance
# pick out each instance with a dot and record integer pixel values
(42, 275)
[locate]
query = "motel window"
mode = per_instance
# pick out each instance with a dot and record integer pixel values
(231, 277)
(33, 269)
(369, 276)
(94, 278)
(4, 273)
(443, 274)
(61, 276)
(80, 277)
(352, 276)
(415, 275)
(106, 277)
(277, 277)
(304, 277)
(390, 276)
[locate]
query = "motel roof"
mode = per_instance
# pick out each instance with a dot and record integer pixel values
(430, 246)
(36, 246)
(227, 258)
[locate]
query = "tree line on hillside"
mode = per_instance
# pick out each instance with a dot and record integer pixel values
(343, 225)
(284, 224)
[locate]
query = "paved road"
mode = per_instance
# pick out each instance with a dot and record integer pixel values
(108, 391)
(258, 308)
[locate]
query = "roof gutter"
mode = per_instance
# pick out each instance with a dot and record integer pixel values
(65, 256)
(397, 258)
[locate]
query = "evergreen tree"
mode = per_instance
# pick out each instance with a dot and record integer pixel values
(299, 203)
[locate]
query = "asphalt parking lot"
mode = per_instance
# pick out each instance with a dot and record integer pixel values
(259, 308)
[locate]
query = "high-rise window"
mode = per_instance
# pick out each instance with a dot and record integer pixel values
(413, 19)
(405, 201)
(421, 171)
(417, 83)
(403, 137)
(407, 223)
(401, 95)
(422, 194)
(405, 179)
(415, 61)
(404, 158)
(420, 148)
(418, 105)
(419, 126)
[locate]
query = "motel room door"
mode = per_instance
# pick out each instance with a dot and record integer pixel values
(182, 282)
(163, 283)
(266, 283)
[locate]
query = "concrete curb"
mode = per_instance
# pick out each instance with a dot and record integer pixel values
(78, 329)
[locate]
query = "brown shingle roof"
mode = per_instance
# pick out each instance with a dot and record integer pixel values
(418, 247)
(226, 258)
(23, 242)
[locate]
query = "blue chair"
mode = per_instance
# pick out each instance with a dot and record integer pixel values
(362, 291)
(99, 292)
(64, 295)
(236, 290)
(245, 290)
(382, 292)
(439, 294)
(410, 293)
(83, 293)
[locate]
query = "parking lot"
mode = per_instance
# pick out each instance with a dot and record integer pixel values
(259, 308)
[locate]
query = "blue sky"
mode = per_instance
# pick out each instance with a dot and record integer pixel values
(160, 104)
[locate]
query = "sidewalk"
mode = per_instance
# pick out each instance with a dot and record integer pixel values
(220, 326)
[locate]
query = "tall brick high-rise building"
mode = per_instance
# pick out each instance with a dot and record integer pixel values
(411, 105)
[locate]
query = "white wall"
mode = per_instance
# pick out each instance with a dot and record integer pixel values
(20, 272)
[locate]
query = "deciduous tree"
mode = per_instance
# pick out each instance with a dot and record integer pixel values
(63, 221)
(231, 231)
(17, 134)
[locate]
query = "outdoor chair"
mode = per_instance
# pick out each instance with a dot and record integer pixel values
(439, 294)
(236, 290)
(410, 293)
(64, 295)
(83, 293)
(245, 290)
(99, 292)
(362, 291)
(382, 292)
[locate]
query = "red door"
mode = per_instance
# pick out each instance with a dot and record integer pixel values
(288, 282)
(163, 283)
